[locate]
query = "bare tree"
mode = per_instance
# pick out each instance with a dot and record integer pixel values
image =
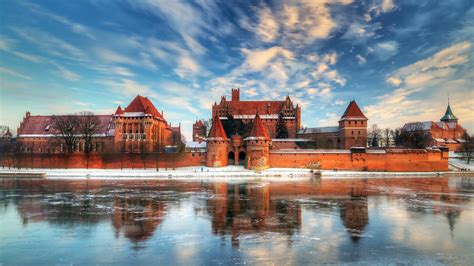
(387, 137)
(415, 137)
(67, 127)
(397, 139)
(5, 144)
(374, 136)
(468, 147)
(157, 150)
(89, 125)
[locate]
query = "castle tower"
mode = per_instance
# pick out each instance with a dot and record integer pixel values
(258, 146)
(235, 95)
(217, 143)
(352, 127)
(199, 131)
(449, 117)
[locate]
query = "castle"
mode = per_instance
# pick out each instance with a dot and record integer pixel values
(447, 132)
(254, 134)
(140, 127)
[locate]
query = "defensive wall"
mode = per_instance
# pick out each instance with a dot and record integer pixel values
(392, 160)
(357, 159)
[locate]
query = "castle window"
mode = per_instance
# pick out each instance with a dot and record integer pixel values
(349, 122)
(352, 132)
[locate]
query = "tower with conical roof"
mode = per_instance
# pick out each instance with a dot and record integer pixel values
(352, 127)
(217, 144)
(258, 146)
(449, 117)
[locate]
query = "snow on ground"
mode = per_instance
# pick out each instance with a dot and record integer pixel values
(459, 164)
(183, 172)
(198, 172)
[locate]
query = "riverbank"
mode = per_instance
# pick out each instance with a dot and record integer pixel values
(229, 172)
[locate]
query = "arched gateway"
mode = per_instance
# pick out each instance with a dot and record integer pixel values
(231, 158)
(242, 158)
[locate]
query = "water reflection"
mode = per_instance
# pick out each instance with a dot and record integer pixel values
(372, 215)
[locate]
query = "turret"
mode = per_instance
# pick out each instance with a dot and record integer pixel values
(258, 146)
(217, 144)
(235, 95)
(119, 110)
(353, 127)
(449, 117)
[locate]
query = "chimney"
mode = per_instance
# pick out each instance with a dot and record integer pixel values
(235, 95)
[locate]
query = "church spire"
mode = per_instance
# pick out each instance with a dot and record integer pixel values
(448, 115)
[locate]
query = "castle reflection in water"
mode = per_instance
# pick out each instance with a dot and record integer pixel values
(137, 208)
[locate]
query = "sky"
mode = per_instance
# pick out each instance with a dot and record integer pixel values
(398, 59)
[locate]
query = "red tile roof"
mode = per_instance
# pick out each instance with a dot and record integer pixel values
(119, 111)
(252, 107)
(199, 123)
(258, 130)
(43, 125)
(143, 104)
(353, 111)
(217, 130)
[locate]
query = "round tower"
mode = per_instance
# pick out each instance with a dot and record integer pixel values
(217, 143)
(258, 146)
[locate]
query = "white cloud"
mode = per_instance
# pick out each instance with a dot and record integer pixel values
(110, 56)
(122, 71)
(385, 50)
(423, 89)
(186, 66)
(67, 74)
(379, 7)
(361, 60)
(394, 81)
(258, 59)
(75, 27)
(360, 32)
(14, 73)
(267, 27)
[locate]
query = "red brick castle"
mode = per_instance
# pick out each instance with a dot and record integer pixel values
(140, 127)
(252, 141)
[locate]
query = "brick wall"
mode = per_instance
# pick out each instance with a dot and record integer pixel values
(408, 160)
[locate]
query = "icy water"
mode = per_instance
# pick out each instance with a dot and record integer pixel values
(165, 222)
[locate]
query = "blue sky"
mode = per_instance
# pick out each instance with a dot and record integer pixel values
(397, 59)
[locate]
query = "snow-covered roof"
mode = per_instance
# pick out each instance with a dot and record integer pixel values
(292, 140)
(376, 151)
(133, 114)
(310, 151)
(312, 130)
(271, 116)
(414, 126)
(196, 145)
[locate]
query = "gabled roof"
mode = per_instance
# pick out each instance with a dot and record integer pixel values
(353, 112)
(217, 131)
(199, 123)
(417, 126)
(143, 105)
(449, 116)
(41, 125)
(258, 130)
(312, 130)
(119, 110)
